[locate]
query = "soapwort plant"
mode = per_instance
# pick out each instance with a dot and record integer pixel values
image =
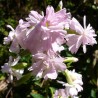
(39, 39)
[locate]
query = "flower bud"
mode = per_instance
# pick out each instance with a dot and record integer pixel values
(60, 5)
(71, 59)
(68, 77)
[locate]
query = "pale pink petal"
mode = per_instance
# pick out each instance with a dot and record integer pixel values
(14, 47)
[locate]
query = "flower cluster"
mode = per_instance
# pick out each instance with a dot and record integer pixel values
(43, 36)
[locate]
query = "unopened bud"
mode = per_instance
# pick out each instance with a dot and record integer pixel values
(60, 4)
(68, 77)
(71, 59)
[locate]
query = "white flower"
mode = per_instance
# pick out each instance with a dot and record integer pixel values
(10, 37)
(74, 84)
(11, 72)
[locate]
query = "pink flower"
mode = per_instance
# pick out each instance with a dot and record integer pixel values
(40, 33)
(34, 18)
(55, 20)
(48, 31)
(83, 36)
(63, 93)
(60, 94)
(17, 36)
(40, 41)
(21, 32)
(47, 65)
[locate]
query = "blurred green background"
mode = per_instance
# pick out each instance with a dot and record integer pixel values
(13, 10)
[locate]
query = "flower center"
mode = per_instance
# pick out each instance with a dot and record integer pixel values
(47, 23)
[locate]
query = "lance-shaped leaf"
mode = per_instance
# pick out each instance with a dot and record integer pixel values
(24, 79)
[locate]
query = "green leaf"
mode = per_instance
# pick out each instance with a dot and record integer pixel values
(20, 66)
(1, 77)
(93, 94)
(52, 91)
(37, 96)
(24, 79)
